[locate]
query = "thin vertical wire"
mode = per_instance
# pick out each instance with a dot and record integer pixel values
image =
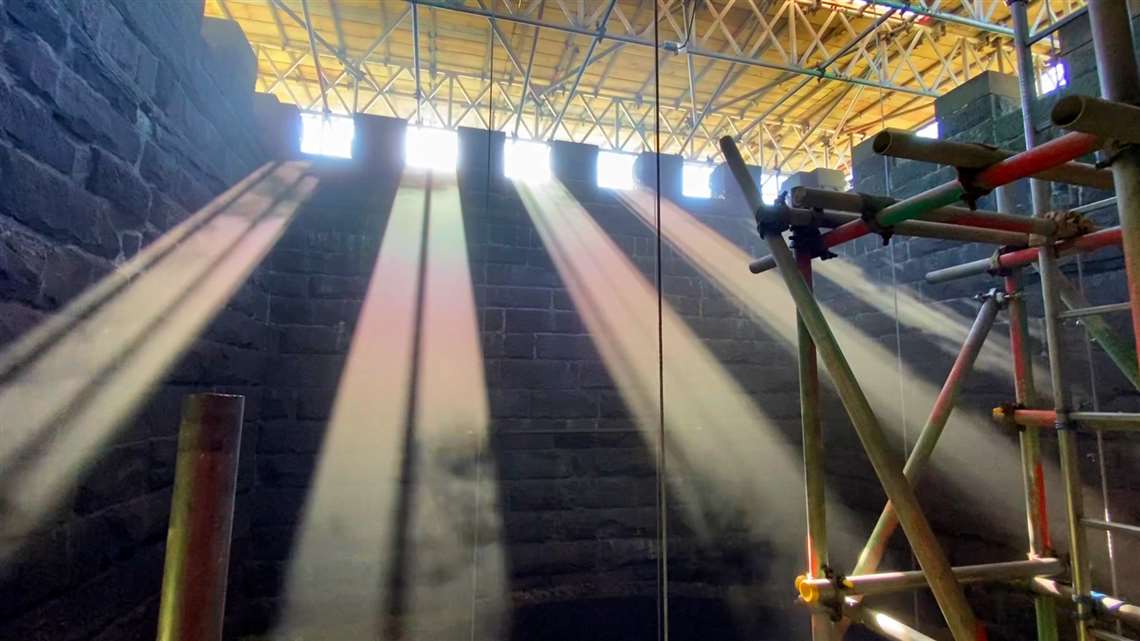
(662, 516)
(1095, 397)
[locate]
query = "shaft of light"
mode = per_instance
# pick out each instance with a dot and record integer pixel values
(68, 386)
(400, 532)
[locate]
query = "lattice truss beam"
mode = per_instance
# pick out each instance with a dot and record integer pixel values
(798, 82)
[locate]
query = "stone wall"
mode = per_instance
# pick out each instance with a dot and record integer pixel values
(117, 118)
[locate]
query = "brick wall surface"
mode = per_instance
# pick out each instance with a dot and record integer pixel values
(116, 120)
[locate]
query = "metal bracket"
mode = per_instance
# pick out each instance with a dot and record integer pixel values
(1003, 414)
(1084, 607)
(838, 581)
(1000, 297)
(807, 239)
(968, 179)
(868, 210)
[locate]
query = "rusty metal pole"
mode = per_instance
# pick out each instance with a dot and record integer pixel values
(1120, 82)
(822, 628)
(201, 519)
(1050, 296)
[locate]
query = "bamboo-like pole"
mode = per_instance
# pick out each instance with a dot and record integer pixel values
(1110, 22)
(1029, 442)
(876, 545)
(822, 628)
(1050, 296)
(1103, 605)
(1106, 421)
(813, 198)
(1094, 241)
(1027, 163)
(903, 144)
(1103, 118)
(821, 590)
(201, 519)
(885, 461)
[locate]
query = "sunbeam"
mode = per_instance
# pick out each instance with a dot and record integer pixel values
(724, 458)
(67, 386)
(400, 536)
(993, 471)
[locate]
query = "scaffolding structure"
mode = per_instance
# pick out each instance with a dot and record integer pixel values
(819, 220)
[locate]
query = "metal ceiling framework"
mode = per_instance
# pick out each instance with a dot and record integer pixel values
(797, 82)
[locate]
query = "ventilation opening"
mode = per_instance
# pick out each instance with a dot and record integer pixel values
(526, 161)
(695, 180)
(615, 170)
(430, 148)
(327, 135)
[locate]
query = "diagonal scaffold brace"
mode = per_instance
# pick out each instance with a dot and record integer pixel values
(885, 461)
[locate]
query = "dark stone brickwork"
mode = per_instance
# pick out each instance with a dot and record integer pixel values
(117, 119)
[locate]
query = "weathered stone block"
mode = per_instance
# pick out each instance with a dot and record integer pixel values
(117, 181)
(40, 17)
(29, 123)
(93, 118)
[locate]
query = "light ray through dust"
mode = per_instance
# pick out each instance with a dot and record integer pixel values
(69, 384)
(725, 459)
(992, 471)
(400, 534)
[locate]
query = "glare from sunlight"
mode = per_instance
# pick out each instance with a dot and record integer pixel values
(430, 148)
(770, 186)
(695, 180)
(615, 170)
(327, 135)
(526, 161)
(1051, 78)
(929, 130)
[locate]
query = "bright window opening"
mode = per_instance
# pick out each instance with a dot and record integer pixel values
(527, 161)
(326, 135)
(929, 130)
(695, 180)
(770, 186)
(615, 170)
(1051, 78)
(429, 148)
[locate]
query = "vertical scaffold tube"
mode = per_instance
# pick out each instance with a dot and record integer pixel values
(1047, 261)
(1119, 81)
(201, 519)
(822, 628)
(885, 461)
(1032, 472)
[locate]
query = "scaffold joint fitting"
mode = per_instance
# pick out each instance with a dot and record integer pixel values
(806, 239)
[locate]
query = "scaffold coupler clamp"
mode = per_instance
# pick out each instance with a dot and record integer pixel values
(868, 211)
(1084, 606)
(767, 222)
(1004, 415)
(999, 297)
(806, 239)
(839, 584)
(974, 190)
(995, 268)
(1064, 423)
